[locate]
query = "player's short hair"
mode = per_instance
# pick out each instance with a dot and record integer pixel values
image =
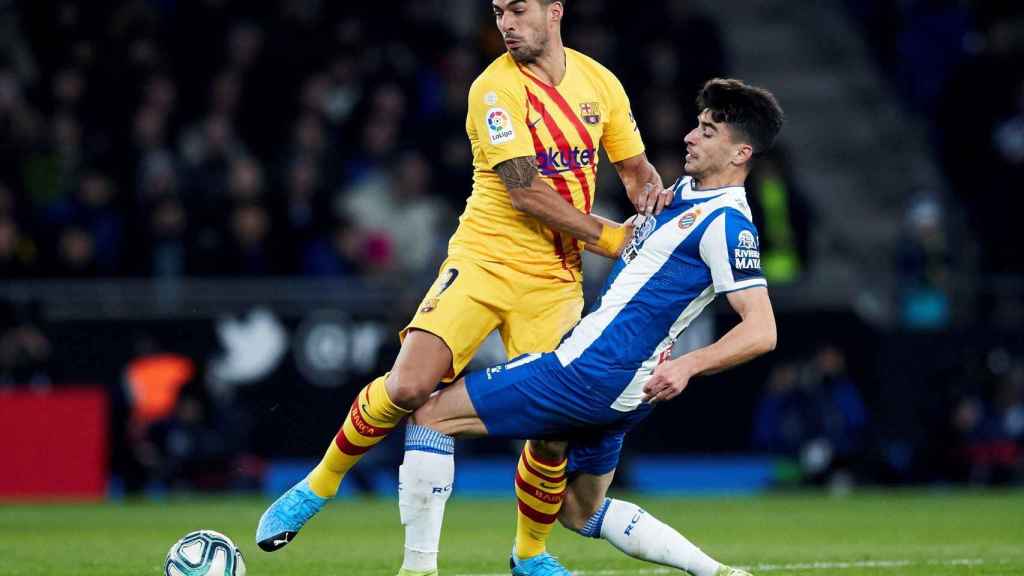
(752, 111)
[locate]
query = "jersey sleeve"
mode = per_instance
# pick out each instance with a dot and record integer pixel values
(730, 248)
(621, 138)
(497, 113)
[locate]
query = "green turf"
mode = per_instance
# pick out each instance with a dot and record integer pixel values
(932, 534)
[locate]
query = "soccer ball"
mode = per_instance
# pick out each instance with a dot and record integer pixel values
(204, 553)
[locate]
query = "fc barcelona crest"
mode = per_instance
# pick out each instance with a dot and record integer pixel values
(590, 112)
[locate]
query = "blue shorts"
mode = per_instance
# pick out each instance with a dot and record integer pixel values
(535, 397)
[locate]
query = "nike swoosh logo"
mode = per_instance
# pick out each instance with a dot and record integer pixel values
(534, 123)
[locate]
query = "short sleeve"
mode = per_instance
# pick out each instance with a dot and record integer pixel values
(621, 138)
(497, 113)
(730, 248)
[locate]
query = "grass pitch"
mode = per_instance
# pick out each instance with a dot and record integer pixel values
(896, 534)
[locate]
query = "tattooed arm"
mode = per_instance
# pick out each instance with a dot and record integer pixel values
(531, 195)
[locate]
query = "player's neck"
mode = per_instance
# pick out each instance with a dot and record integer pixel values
(549, 67)
(726, 179)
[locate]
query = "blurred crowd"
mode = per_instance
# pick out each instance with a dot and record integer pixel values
(956, 65)
(296, 137)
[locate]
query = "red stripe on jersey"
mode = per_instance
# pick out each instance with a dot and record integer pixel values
(538, 517)
(560, 185)
(563, 143)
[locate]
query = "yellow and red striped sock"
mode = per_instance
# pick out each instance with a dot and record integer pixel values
(540, 488)
(370, 419)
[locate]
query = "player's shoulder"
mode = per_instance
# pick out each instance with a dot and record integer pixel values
(501, 73)
(589, 64)
(597, 73)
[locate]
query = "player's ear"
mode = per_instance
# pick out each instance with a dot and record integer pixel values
(556, 12)
(744, 152)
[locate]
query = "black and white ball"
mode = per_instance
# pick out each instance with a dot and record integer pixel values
(204, 553)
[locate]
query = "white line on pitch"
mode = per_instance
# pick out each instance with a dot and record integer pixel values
(802, 566)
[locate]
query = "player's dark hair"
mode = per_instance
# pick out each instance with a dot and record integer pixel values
(752, 111)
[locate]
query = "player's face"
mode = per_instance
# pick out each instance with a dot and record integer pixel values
(523, 25)
(710, 147)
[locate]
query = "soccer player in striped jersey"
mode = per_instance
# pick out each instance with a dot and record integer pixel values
(615, 365)
(537, 117)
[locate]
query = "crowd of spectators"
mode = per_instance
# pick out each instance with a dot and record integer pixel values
(296, 137)
(956, 66)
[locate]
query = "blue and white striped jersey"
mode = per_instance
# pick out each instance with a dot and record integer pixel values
(703, 244)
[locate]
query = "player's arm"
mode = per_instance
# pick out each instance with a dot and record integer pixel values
(628, 225)
(643, 184)
(752, 337)
(530, 194)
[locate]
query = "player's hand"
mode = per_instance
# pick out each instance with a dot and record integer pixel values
(652, 199)
(668, 381)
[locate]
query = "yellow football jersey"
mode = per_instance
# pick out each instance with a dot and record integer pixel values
(512, 113)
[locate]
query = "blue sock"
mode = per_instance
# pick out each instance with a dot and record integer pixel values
(426, 439)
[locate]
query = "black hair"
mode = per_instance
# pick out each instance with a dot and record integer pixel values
(752, 111)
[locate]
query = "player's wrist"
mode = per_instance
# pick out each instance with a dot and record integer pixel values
(612, 238)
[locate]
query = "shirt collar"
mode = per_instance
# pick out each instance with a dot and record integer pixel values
(687, 191)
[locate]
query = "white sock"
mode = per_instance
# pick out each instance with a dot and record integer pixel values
(632, 530)
(424, 485)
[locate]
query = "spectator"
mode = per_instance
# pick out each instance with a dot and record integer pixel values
(924, 266)
(814, 414)
(17, 252)
(989, 434)
(782, 216)
(249, 250)
(399, 206)
(24, 349)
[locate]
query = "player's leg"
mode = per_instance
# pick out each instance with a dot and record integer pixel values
(506, 409)
(540, 478)
(451, 322)
(423, 360)
(540, 487)
(626, 526)
(427, 472)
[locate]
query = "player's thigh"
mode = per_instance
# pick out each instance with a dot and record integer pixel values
(542, 316)
(459, 309)
(583, 498)
(517, 399)
(450, 411)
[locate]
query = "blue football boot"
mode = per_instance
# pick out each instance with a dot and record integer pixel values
(542, 565)
(286, 516)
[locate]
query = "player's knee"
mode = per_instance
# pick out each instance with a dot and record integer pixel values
(408, 389)
(553, 450)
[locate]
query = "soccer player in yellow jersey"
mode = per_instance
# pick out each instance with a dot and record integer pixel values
(537, 117)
